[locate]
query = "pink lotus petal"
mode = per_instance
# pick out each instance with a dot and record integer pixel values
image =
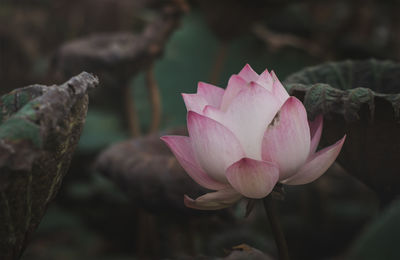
(181, 147)
(248, 117)
(315, 132)
(248, 74)
(207, 94)
(194, 102)
(214, 200)
(265, 80)
(214, 145)
(278, 89)
(316, 165)
(235, 85)
(287, 139)
(212, 94)
(253, 179)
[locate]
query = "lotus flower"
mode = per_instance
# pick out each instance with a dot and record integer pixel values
(246, 138)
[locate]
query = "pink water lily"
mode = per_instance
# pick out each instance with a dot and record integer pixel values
(246, 138)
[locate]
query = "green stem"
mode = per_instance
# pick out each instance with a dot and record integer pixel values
(271, 209)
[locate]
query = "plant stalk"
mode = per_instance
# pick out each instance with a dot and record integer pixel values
(219, 62)
(155, 99)
(131, 113)
(272, 213)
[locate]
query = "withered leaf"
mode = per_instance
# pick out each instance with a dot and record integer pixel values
(148, 172)
(39, 129)
(362, 100)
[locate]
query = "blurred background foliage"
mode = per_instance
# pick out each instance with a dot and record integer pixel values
(92, 218)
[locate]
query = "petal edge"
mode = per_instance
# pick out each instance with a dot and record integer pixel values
(287, 139)
(182, 149)
(315, 132)
(212, 94)
(253, 179)
(213, 200)
(215, 146)
(316, 165)
(248, 74)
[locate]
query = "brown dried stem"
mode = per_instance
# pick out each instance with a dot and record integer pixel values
(219, 62)
(277, 41)
(130, 112)
(155, 100)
